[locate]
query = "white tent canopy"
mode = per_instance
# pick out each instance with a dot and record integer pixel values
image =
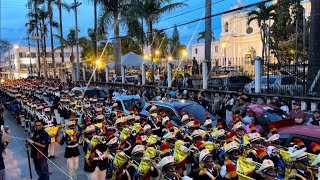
(131, 60)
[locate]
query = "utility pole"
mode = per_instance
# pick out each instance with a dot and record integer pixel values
(208, 31)
(74, 6)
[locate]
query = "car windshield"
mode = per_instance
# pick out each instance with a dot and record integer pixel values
(127, 103)
(274, 115)
(197, 110)
(91, 92)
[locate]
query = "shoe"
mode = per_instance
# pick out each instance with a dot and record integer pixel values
(52, 156)
(49, 156)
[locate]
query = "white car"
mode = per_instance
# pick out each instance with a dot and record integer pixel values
(278, 84)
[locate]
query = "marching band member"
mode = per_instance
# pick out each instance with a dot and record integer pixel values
(136, 154)
(267, 171)
(232, 155)
(210, 170)
(168, 166)
(300, 166)
(71, 138)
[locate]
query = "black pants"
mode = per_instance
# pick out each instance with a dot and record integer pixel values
(42, 169)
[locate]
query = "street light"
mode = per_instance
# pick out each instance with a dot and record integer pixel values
(16, 47)
(184, 53)
(157, 52)
(145, 57)
(98, 62)
(170, 58)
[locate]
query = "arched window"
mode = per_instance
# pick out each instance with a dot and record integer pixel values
(196, 51)
(226, 27)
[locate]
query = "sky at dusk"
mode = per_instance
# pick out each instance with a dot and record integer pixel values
(14, 18)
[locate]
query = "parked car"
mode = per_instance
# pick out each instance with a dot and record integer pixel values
(278, 84)
(125, 102)
(128, 79)
(307, 133)
(230, 83)
(173, 107)
(267, 114)
(90, 92)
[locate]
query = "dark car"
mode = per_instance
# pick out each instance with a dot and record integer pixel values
(173, 107)
(307, 133)
(230, 83)
(90, 92)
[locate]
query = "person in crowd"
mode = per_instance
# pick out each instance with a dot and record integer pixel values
(5, 140)
(297, 114)
(284, 106)
(275, 101)
(254, 121)
(315, 120)
(217, 102)
(39, 150)
(202, 100)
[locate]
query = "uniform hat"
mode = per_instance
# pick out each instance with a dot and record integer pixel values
(137, 118)
(72, 117)
(165, 120)
(315, 147)
(191, 116)
(112, 141)
(220, 134)
(47, 109)
(265, 166)
(299, 155)
(254, 137)
(196, 123)
(299, 143)
(119, 120)
(219, 125)
(70, 123)
(165, 161)
(184, 118)
(131, 117)
(90, 129)
(229, 138)
(182, 112)
(231, 170)
(200, 145)
(231, 147)
(138, 140)
(204, 154)
(196, 133)
(147, 127)
(131, 111)
(207, 122)
(252, 128)
(153, 108)
(169, 135)
(138, 149)
(119, 113)
(165, 150)
(275, 136)
(316, 161)
(237, 126)
(207, 115)
(190, 124)
(262, 153)
(100, 117)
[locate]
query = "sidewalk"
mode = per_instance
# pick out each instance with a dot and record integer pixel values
(16, 160)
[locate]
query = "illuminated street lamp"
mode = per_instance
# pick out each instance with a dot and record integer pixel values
(16, 47)
(170, 58)
(157, 52)
(184, 53)
(98, 62)
(145, 57)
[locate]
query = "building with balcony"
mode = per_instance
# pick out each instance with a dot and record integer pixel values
(17, 63)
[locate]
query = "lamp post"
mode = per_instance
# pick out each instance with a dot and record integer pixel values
(224, 46)
(16, 47)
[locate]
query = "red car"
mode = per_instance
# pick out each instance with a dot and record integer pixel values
(288, 131)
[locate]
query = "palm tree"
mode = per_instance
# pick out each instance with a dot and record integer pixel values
(262, 15)
(34, 4)
(61, 5)
(111, 11)
(151, 11)
(71, 41)
(55, 25)
(202, 35)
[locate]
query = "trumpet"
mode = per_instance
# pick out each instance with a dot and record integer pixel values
(195, 152)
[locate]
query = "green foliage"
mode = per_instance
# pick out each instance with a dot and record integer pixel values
(4, 46)
(175, 43)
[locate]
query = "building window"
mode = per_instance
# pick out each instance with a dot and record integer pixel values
(226, 27)
(48, 54)
(24, 66)
(216, 49)
(33, 55)
(21, 55)
(196, 51)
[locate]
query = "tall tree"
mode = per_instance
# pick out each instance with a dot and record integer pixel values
(175, 43)
(71, 41)
(262, 15)
(314, 52)
(151, 11)
(53, 24)
(34, 6)
(67, 7)
(202, 35)
(111, 11)
(4, 46)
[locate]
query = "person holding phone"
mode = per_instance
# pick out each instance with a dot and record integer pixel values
(5, 140)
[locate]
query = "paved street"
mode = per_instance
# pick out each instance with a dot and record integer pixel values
(16, 160)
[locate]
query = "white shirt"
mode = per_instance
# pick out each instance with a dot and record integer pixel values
(285, 108)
